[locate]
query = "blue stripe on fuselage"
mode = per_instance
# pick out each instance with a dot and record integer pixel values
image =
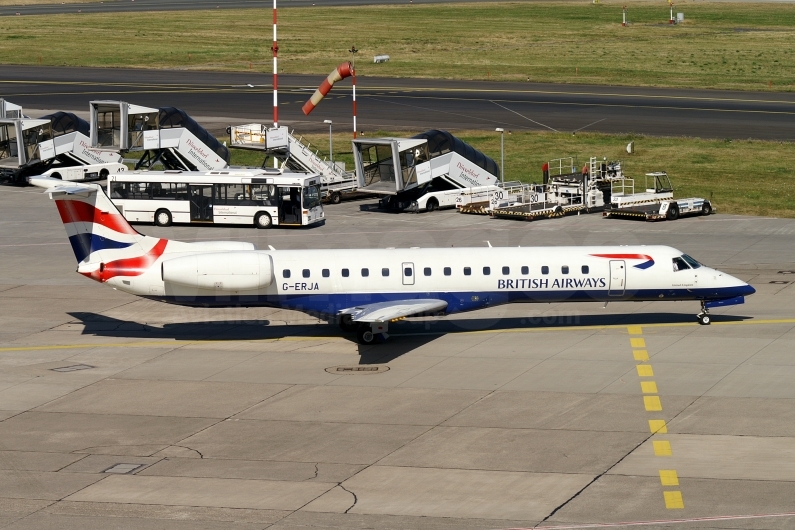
(84, 244)
(457, 302)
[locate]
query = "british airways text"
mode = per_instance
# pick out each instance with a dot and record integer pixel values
(557, 283)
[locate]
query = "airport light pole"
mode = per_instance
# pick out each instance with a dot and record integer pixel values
(330, 141)
(502, 154)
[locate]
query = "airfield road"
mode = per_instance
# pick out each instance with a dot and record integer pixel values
(118, 411)
(225, 98)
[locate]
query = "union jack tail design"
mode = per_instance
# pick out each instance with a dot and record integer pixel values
(104, 243)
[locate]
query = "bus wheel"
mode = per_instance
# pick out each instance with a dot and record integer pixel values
(431, 205)
(162, 218)
(335, 198)
(56, 175)
(263, 220)
(103, 174)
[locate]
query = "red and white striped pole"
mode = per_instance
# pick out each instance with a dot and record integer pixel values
(275, 49)
(624, 17)
(353, 51)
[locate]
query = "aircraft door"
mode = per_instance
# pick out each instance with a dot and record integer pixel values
(618, 276)
(408, 274)
(201, 203)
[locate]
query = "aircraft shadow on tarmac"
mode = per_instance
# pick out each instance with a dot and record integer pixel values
(405, 336)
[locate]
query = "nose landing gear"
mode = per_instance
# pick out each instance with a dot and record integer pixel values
(703, 317)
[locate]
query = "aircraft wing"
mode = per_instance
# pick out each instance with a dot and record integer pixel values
(386, 311)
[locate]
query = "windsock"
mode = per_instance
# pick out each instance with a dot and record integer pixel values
(341, 72)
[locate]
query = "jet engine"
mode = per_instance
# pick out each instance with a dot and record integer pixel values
(220, 271)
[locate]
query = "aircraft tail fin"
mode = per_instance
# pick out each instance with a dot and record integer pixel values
(100, 236)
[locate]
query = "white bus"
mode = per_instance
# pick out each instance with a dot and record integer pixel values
(262, 197)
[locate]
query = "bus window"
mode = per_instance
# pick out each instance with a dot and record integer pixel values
(130, 190)
(311, 197)
(169, 191)
(264, 194)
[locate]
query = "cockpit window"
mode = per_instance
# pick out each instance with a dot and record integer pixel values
(680, 265)
(690, 261)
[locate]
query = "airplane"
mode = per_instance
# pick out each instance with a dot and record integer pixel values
(367, 289)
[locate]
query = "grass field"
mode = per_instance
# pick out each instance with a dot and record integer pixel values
(742, 177)
(13, 3)
(720, 45)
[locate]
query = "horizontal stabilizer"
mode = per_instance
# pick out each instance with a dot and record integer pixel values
(386, 311)
(52, 185)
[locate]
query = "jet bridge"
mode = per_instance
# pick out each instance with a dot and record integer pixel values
(166, 136)
(392, 166)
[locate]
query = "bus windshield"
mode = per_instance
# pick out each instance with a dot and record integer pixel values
(311, 197)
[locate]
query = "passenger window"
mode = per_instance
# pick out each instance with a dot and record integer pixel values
(408, 271)
(326, 273)
(467, 271)
(448, 271)
(506, 271)
(305, 273)
(544, 270)
(426, 271)
(564, 269)
(286, 273)
(345, 273)
(486, 271)
(365, 273)
(525, 270)
(680, 265)
(585, 269)
(384, 272)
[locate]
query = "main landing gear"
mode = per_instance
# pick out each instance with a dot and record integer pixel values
(703, 317)
(366, 332)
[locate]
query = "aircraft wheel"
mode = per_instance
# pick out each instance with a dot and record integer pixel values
(673, 212)
(703, 319)
(706, 209)
(347, 324)
(365, 335)
(163, 218)
(263, 220)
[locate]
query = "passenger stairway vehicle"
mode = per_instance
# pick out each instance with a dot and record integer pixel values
(55, 145)
(166, 136)
(425, 172)
(294, 154)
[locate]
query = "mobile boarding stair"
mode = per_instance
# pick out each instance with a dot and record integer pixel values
(404, 169)
(47, 145)
(295, 154)
(655, 203)
(166, 136)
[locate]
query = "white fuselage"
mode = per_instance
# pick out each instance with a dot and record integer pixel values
(328, 281)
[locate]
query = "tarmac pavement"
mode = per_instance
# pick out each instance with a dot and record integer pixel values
(556, 415)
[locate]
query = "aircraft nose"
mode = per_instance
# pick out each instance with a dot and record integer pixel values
(747, 290)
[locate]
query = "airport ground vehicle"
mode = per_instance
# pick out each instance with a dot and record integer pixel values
(262, 198)
(424, 172)
(295, 154)
(655, 203)
(366, 289)
(165, 137)
(54, 145)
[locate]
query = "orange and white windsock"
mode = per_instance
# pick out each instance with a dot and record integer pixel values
(341, 72)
